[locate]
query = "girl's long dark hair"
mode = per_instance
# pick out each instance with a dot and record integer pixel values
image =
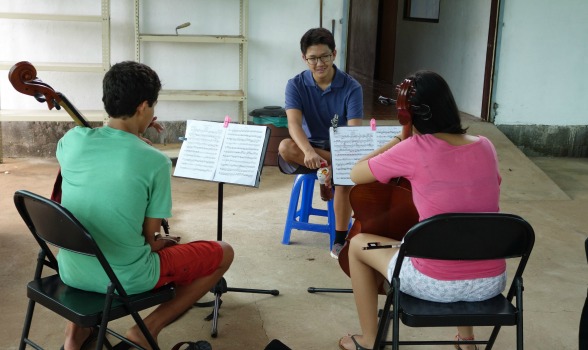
(442, 114)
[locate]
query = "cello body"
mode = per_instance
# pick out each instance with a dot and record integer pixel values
(385, 210)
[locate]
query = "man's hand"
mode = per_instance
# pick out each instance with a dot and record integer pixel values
(155, 125)
(313, 160)
(167, 239)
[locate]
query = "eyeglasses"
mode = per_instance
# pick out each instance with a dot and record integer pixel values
(324, 59)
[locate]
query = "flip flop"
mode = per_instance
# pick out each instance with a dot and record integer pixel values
(457, 347)
(91, 338)
(357, 346)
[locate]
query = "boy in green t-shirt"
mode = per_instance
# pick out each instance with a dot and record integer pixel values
(119, 188)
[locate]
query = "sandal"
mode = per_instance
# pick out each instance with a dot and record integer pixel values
(199, 345)
(357, 346)
(458, 339)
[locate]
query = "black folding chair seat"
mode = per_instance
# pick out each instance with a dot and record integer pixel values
(86, 308)
(423, 313)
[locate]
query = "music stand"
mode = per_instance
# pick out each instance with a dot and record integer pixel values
(215, 153)
(221, 287)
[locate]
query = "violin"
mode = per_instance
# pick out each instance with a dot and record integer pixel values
(385, 210)
(23, 77)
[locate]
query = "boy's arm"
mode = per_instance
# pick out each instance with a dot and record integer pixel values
(312, 159)
(151, 227)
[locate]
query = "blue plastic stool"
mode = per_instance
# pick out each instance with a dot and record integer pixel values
(297, 218)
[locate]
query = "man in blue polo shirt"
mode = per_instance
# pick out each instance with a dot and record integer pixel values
(313, 99)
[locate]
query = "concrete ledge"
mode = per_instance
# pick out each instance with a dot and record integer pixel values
(39, 138)
(549, 140)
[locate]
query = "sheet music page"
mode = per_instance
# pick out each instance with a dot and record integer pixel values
(349, 144)
(199, 154)
(240, 155)
(385, 133)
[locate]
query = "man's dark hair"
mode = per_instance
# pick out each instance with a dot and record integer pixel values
(317, 36)
(443, 115)
(126, 85)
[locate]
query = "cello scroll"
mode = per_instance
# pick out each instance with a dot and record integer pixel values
(23, 77)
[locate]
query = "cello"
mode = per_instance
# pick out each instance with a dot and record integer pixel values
(385, 210)
(23, 77)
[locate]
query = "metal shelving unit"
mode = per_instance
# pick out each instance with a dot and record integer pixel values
(94, 67)
(239, 95)
(104, 18)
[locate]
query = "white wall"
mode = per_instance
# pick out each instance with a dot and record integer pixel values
(455, 48)
(275, 28)
(49, 41)
(541, 78)
(542, 72)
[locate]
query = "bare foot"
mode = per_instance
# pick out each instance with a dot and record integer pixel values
(347, 343)
(75, 336)
(136, 336)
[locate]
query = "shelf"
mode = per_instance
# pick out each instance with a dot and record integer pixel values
(50, 17)
(103, 18)
(27, 115)
(60, 66)
(239, 96)
(23, 115)
(201, 95)
(219, 39)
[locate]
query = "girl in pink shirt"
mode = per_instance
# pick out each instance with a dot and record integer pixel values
(449, 171)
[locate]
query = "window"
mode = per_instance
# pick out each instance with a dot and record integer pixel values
(422, 10)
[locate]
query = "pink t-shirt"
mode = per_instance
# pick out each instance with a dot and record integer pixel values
(446, 179)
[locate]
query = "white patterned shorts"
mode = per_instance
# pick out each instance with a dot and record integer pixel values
(415, 283)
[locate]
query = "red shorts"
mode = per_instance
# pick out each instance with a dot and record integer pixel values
(184, 263)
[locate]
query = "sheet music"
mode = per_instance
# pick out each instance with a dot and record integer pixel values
(214, 153)
(240, 154)
(349, 144)
(199, 155)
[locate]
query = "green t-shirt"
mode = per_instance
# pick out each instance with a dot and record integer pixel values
(112, 180)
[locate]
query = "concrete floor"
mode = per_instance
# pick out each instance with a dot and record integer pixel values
(552, 194)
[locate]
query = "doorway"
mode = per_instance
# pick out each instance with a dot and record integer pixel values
(371, 50)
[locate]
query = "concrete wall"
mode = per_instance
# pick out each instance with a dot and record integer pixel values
(275, 28)
(542, 76)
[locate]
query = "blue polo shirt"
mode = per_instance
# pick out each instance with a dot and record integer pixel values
(343, 97)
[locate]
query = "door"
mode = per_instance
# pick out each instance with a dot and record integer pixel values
(362, 38)
(372, 44)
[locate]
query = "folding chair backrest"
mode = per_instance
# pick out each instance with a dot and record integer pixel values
(54, 224)
(51, 223)
(470, 236)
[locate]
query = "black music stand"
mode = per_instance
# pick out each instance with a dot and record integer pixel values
(230, 135)
(221, 287)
